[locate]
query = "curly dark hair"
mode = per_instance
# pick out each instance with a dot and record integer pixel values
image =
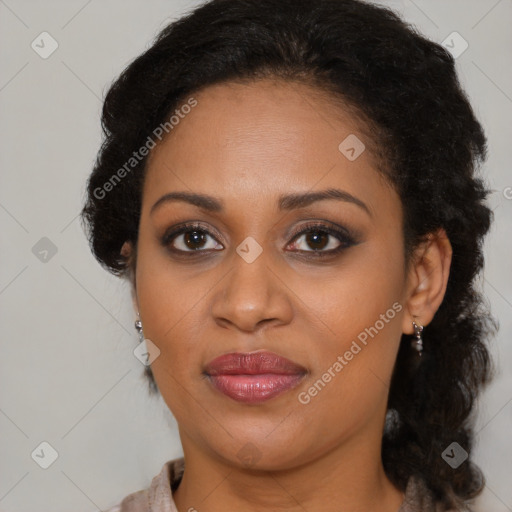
(405, 92)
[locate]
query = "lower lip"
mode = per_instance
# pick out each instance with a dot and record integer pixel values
(254, 389)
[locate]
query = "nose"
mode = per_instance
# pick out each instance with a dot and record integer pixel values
(252, 296)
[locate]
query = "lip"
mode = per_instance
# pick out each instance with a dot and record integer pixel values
(253, 377)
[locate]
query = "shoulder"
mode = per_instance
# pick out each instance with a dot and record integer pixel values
(158, 496)
(135, 502)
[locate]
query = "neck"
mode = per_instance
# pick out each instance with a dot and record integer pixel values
(346, 477)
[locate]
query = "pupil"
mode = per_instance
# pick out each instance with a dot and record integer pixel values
(313, 240)
(193, 237)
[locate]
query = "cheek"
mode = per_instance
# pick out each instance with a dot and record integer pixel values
(167, 307)
(169, 316)
(359, 313)
(166, 295)
(167, 304)
(354, 295)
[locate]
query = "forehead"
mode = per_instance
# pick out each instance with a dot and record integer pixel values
(260, 140)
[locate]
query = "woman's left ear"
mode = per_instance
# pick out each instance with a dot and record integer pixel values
(127, 253)
(427, 280)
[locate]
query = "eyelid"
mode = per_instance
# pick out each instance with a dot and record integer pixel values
(345, 236)
(181, 228)
(322, 225)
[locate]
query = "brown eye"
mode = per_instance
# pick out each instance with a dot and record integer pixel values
(321, 239)
(194, 239)
(190, 238)
(317, 240)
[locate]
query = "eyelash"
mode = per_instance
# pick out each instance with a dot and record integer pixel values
(342, 235)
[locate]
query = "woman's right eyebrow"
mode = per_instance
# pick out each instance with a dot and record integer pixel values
(285, 202)
(203, 201)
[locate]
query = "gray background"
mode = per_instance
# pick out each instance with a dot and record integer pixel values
(68, 374)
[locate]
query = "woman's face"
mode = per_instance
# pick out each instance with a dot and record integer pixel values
(331, 300)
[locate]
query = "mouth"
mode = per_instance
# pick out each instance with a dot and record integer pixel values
(253, 377)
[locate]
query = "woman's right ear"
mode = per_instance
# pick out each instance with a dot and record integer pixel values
(126, 251)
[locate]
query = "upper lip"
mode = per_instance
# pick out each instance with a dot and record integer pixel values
(253, 363)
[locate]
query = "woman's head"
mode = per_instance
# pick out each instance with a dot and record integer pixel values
(254, 103)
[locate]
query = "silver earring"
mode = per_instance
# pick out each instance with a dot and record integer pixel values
(138, 328)
(417, 343)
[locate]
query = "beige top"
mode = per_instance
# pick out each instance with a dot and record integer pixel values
(158, 498)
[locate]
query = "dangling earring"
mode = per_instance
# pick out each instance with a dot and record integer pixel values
(138, 328)
(417, 343)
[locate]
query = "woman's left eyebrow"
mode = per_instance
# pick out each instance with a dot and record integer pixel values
(285, 202)
(301, 200)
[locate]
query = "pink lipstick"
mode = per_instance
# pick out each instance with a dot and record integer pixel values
(253, 377)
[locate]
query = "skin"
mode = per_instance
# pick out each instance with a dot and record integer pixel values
(246, 144)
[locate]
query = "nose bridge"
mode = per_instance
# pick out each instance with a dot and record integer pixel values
(251, 293)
